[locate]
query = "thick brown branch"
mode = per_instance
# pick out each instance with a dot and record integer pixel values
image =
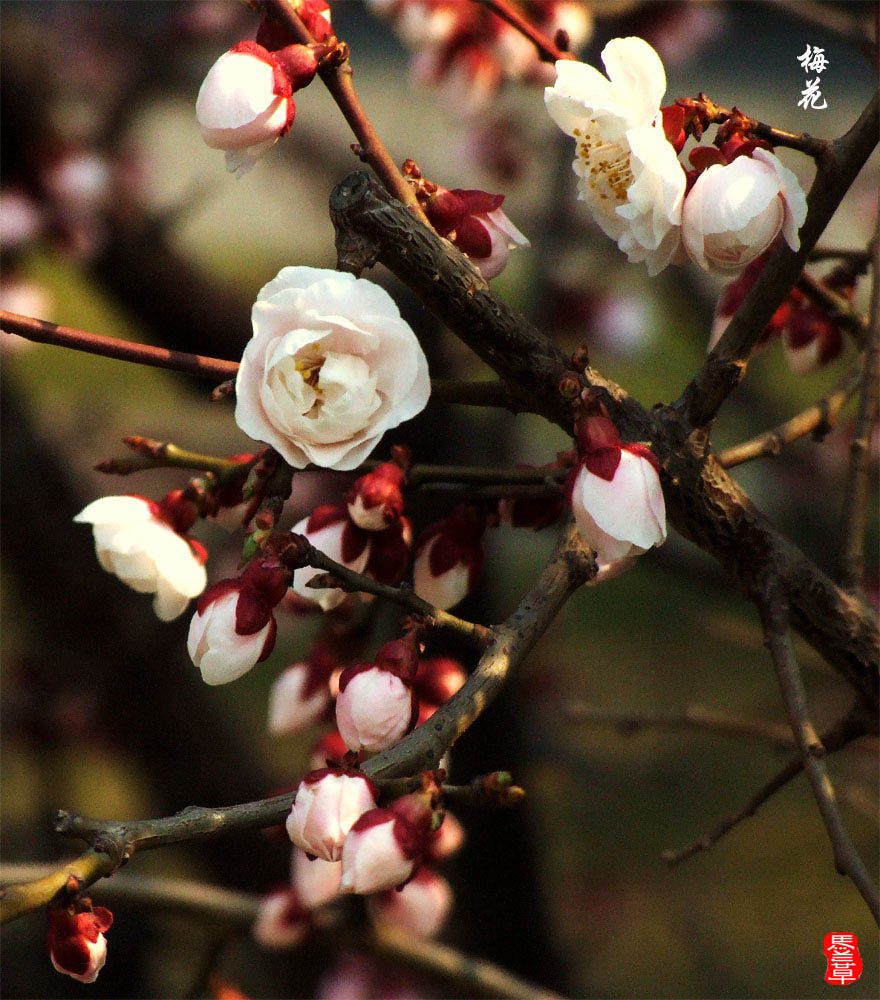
(773, 607)
(702, 501)
(723, 370)
(816, 419)
(479, 393)
(42, 332)
(855, 507)
(571, 565)
(338, 80)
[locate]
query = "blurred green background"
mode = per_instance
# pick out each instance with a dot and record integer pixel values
(103, 713)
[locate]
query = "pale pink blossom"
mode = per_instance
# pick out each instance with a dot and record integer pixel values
(420, 908)
(245, 105)
(331, 366)
(449, 558)
(315, 880)
(616, 496)
(331, 531)
(385, 846)
(376, 705)
(282, 921)
(76, 942)
(629, 173)
(137, 540)
(300, 695)
(328, 803)
(735, 211)
(234, 628)
(446, 840)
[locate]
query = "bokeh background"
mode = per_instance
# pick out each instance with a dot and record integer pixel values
(135, 230)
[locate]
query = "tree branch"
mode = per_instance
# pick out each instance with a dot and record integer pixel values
(350, 581)
(702, 500)
(836, 738)
(694, 717)
(165, 455)
(773, 607)
(239, 909)
(570, 566)
(547, 49)
(854, 517)
(836, 306)
(817, 419)
(725, 367)
(338, 80)
(43, 332)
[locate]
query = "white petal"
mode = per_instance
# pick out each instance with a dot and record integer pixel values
(637, 76)
(237, 88)
(115, 510)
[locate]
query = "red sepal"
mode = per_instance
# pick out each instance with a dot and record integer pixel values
(252, 614)
(673, 126)
(217, 590)
(178, 511)
(299, 64)
(643, 451)
(603, 462)
(596, 431)
(354, 541)
(472, 237)
(390, 553)
(478, 202)
(325, 515)
(269, 641)
(702, 157)
(199, 550)
(400, 657)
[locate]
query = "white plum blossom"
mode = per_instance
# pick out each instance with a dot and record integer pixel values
(420, 908)
(234, 628)
(331, 531)
(135, 542)
(331, 366)
(245, 105)
(629, 173)
(616, 496)
(299, 697)
(735, 211)
(328, 803)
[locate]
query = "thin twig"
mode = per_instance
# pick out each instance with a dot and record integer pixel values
(816, 419)
(43, 332)
(773, 606)
(854, 257)
(570, 566)
(165, 455)
(835, 738)
(803, 142)
(338, 81)
(694, 717)
(854, 518)
(836, 306)
(547, 49)
(726, 365)
(350, 581)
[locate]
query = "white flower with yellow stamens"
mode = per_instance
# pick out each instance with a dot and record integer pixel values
(629, 172)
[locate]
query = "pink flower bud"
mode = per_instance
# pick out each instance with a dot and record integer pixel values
(615, 493)
(445, 841)
(300, 696)
(385, 846)
(234, 627)
(437, 680)
(328, 803)
(245, 105)
(282, 920)
(76, 942)
(420, 908)
(376, 705)
(315, 15)
(375, 500)
(332, 532)
(315, 880)
(811, 339)
(449, 558)
(475, 223)
(735, 211)
(137, 540)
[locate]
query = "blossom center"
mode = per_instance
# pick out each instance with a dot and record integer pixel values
(607, 167)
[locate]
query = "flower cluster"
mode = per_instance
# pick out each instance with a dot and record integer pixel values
(470, 52)
(724, 212)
